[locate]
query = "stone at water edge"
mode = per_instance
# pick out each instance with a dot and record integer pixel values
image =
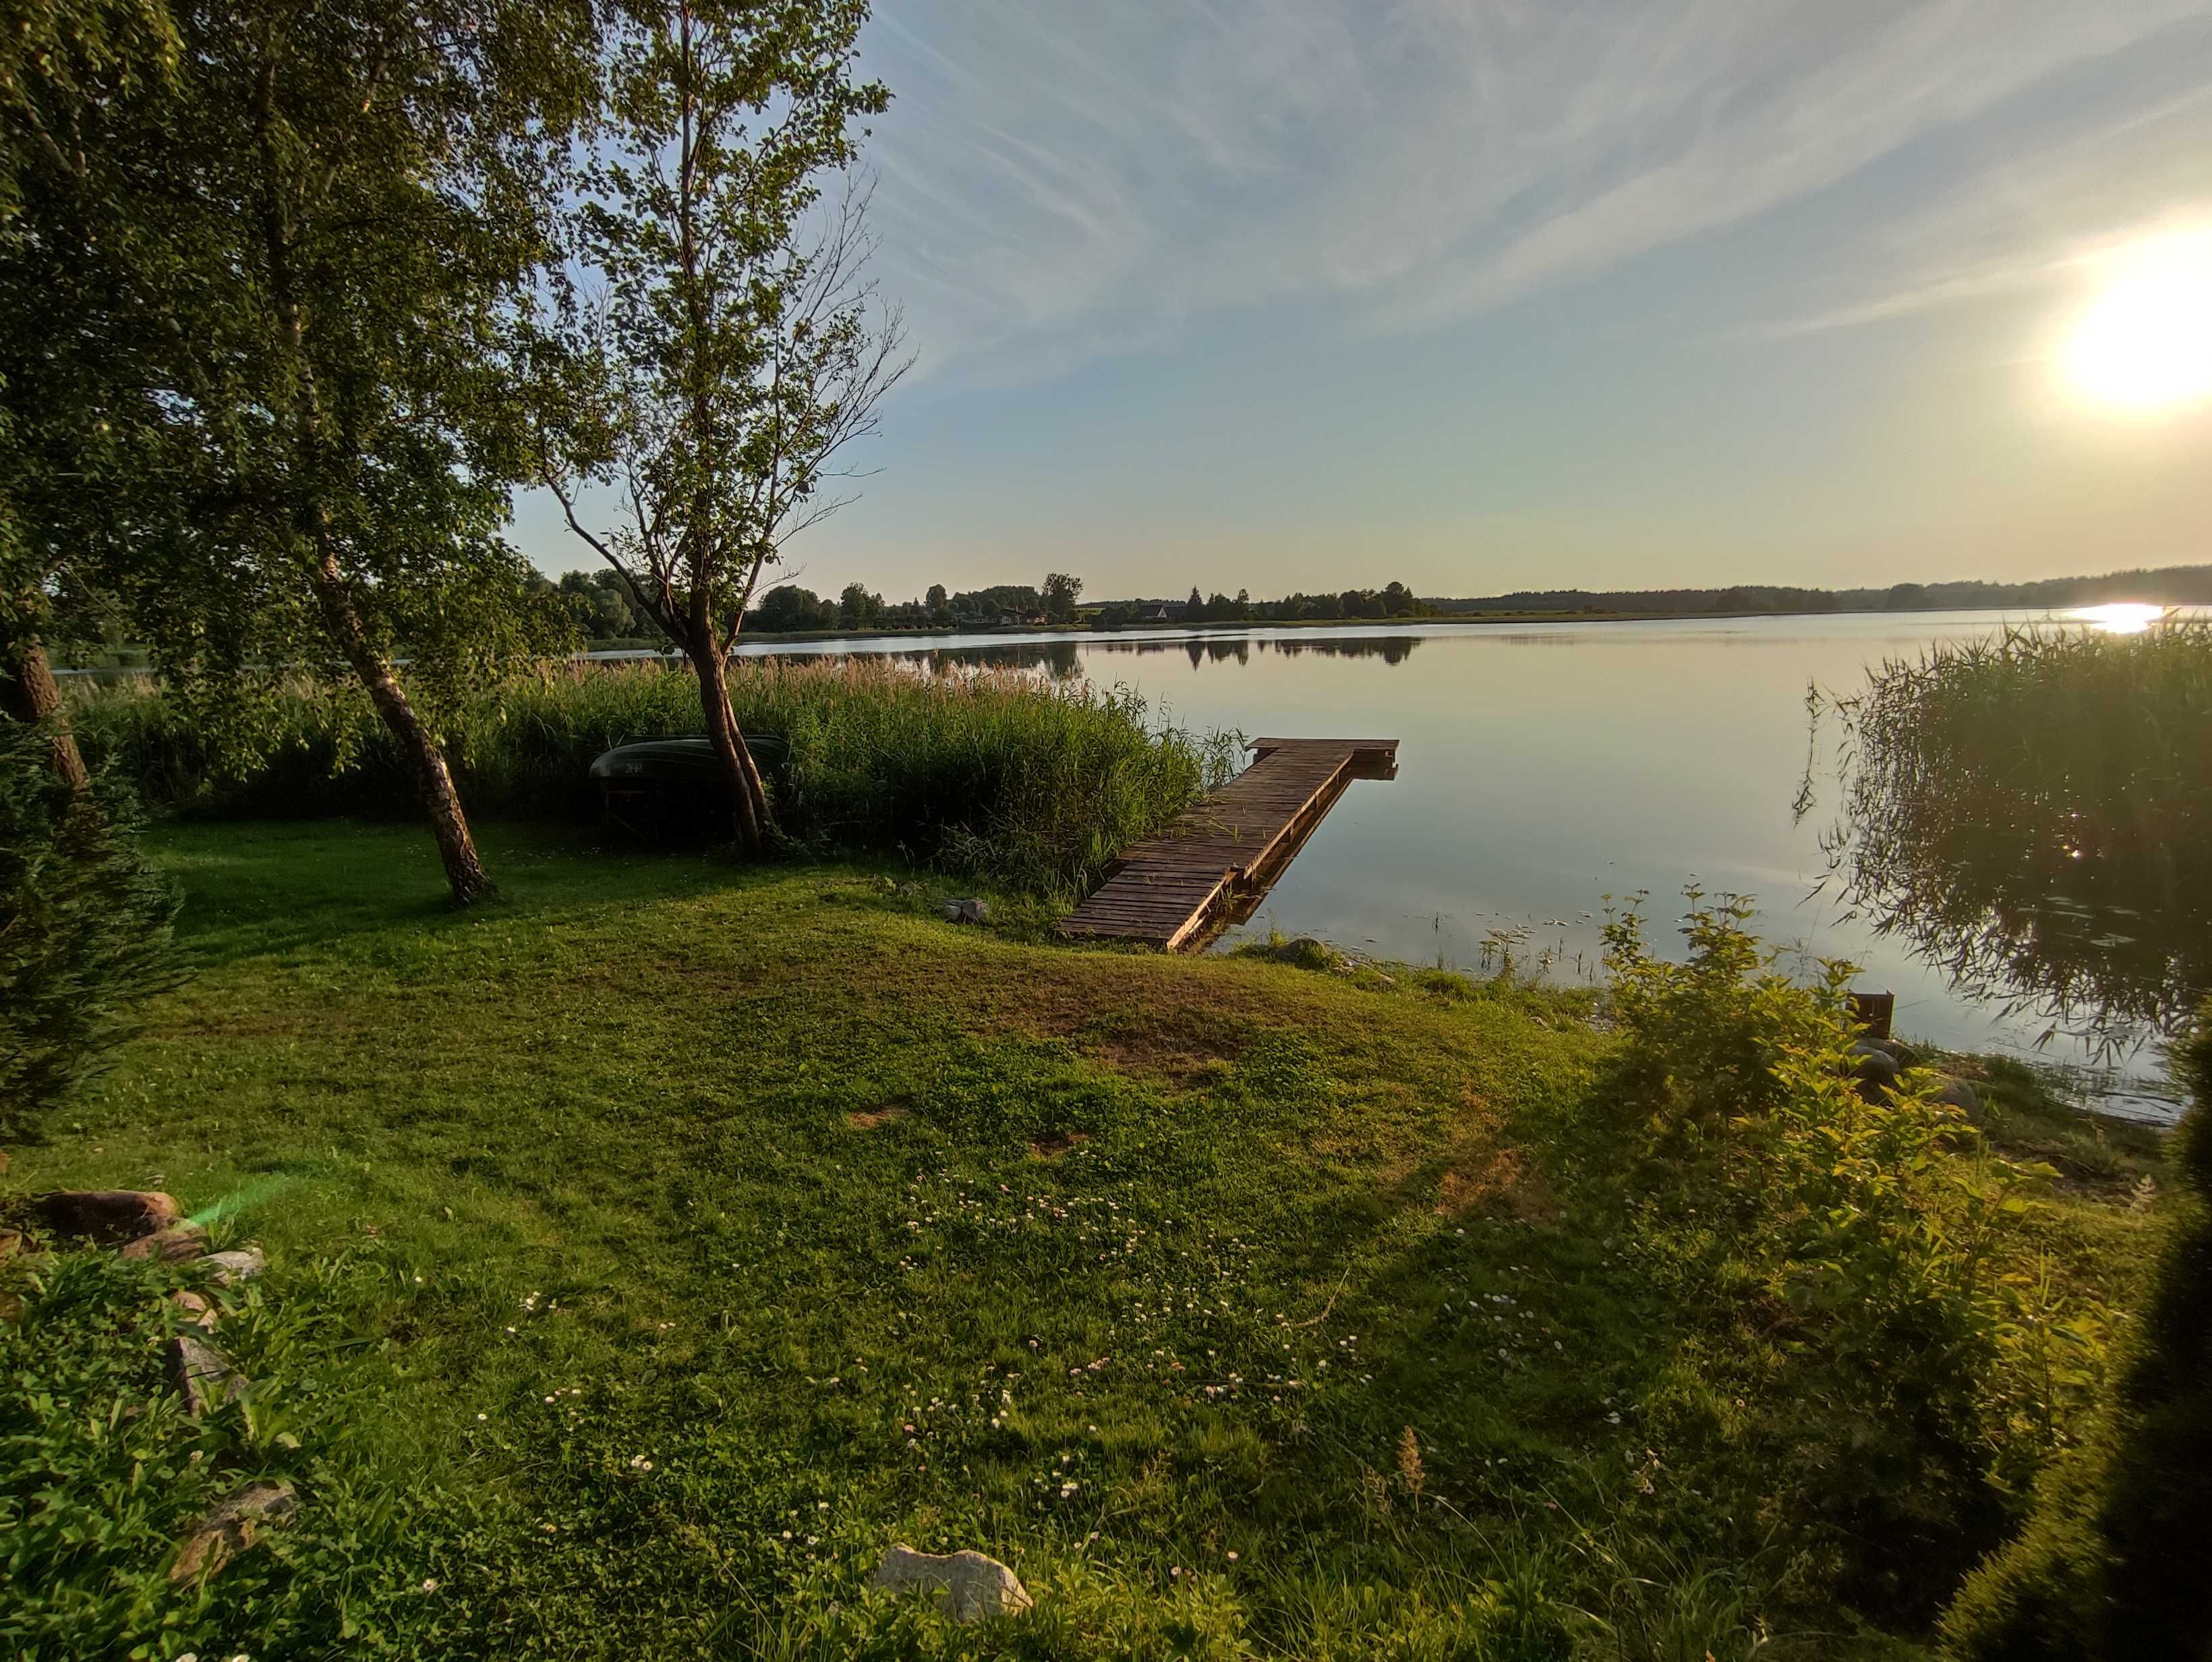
(240, 1263)
(967, 1585)
(175, 1243)
(1958, 1095)
(233, 1527)
(106, 1215)
(203, 1375)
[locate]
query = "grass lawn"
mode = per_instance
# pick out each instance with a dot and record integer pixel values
(689, 1234)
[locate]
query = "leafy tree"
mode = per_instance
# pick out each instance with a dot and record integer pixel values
(788, 609)
(1061, 593)
(722, 347)
(301, 251)
(857, 608)
(63, 65)
(939, 605)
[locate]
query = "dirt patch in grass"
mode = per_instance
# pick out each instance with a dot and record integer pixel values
(867, 1119)
(1500, 1182)
(1056, 1143)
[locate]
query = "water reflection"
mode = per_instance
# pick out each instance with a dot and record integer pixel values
(1063, 659)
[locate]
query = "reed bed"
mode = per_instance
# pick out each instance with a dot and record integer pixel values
(2032, 810)
(996, 773)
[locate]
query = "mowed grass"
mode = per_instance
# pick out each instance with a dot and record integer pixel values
(704, 1231)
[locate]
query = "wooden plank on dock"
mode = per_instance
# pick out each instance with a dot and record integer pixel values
(1177, 891)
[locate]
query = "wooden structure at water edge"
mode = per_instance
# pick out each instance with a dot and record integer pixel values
(1216, 863)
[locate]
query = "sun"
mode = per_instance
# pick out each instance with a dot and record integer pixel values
(2144, 342)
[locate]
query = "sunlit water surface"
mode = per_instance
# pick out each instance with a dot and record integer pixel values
(1547, 770)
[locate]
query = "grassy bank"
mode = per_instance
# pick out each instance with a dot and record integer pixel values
(673, 1239)
(997, 773)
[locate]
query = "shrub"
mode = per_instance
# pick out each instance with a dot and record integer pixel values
(1841, 1249)
(84, 931)
(2111, 1564)
(1036, 784)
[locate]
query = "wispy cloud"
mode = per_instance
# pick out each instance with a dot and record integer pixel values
(1059, 180)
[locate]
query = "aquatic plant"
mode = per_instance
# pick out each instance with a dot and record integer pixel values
(2030, 812)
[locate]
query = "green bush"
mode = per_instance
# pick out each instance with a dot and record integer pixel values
(1839, 1252)
(84, 932)
(1035, 784)
(2113, 1564)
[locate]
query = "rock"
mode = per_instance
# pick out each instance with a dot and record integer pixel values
(107, 1216)
(195, 1309)
(1962, 1096)
(1875, 1068)
(1871, 1062)
(233, 1527)
(240, 1263)
(204, 1376)
(1309, 954)
(171, 1245)
(966, 1586)
(967, 911)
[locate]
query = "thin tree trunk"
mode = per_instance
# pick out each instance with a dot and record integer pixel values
(748, 801)
(426, 762)
(29, 695)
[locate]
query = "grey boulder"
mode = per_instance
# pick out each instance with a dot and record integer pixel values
(966, 1586)
(967, 911)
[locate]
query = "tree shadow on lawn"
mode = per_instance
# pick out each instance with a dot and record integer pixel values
(278, 889)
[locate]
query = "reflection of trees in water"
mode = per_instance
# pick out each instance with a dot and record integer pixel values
(2032, 813)
(1062, 660)
(1218, 648)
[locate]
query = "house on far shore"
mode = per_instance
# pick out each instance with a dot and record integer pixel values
(1158, 614)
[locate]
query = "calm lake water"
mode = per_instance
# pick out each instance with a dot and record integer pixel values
(1544, 767)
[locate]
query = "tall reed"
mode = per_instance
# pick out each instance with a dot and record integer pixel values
(996, 773)
(2032, 811)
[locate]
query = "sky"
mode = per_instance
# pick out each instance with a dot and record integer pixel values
(1485, 295)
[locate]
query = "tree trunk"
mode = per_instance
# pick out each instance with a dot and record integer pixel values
(28, 694)
(749, 812)
(426, 762)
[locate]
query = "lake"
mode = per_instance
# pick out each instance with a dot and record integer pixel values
(1544, 768)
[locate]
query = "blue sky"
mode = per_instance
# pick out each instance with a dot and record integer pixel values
(1493, 293)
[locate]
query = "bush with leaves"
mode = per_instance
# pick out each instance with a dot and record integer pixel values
(84, 930)
(1841, 1247)
(2113, 1563)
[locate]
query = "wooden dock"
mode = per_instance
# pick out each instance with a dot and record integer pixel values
(1216, 862)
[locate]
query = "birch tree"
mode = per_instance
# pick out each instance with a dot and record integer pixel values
(719, 345)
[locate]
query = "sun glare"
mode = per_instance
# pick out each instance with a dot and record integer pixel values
(2144, 342)
(2119, 617)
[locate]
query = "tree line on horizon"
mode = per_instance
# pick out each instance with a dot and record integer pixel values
(601, 608)
(2175, 584)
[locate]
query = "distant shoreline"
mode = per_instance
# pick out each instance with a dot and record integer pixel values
(643, 649)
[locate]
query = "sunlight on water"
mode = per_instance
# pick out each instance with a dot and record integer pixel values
(2120, 618)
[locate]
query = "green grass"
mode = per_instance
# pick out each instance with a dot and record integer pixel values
(1134, 1272)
